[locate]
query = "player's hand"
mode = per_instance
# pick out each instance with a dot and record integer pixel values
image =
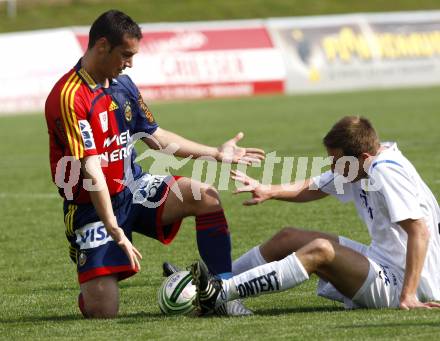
(230, 152)
(411, 302)
(124, 243)
(260, 193)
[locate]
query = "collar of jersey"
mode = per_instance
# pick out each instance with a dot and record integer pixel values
(384, 156)
(85, 76)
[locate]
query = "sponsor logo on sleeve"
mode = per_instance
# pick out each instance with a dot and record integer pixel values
(86, 134)
(145, 109)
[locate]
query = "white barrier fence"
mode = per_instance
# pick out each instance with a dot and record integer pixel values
(240, 58)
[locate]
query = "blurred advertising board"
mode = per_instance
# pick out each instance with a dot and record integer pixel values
(175, 61)
(32, 63)
(346, 52)
(206, 60)
(239, 58)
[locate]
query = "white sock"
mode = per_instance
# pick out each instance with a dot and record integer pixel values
(249, 260)
(265, 279)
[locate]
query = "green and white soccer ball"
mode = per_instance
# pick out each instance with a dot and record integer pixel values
(176, 294)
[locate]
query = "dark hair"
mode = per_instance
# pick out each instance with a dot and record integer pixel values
(354, 135)
(113, 25)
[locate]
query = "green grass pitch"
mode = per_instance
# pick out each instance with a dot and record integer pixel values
(38, 287)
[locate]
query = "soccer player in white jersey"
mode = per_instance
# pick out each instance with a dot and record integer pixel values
(400, 268)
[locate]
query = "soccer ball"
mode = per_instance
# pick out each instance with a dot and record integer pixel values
(176, 294)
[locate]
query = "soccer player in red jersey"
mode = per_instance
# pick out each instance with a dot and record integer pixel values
(92, 113)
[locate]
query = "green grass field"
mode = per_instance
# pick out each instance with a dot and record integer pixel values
(33, 14)
(38, 287)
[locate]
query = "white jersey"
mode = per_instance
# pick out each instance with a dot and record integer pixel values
(393, 192)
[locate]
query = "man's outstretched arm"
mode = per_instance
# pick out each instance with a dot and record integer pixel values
(300, 191)
(227, 152)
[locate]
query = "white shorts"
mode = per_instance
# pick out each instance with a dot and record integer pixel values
(381, 289)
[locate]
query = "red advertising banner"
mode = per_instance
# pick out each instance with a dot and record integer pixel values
(206, 62)
(200, 40)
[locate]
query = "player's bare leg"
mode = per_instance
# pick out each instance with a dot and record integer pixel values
(289, 240)
(282, 244)
(345, 268)
(206, 200)
(101, 297)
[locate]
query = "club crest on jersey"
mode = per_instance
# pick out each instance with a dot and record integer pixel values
(86, 134)
(127, 111)
(82, 258)
(103, 117)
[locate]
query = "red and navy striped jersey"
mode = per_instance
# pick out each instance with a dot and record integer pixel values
(84, 118)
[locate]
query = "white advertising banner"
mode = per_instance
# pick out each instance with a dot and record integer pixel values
(346, 52)
(31, 64)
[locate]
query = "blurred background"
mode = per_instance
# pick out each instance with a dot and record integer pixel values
(33, 14)
(203, 49)
(281, 71)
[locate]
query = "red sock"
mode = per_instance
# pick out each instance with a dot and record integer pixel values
(214, 242)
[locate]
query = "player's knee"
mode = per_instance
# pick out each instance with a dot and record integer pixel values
(209, 199)
(99, 297)
(280, 245)
(286, 234)
(322, 250)
(100, 309)
(210, 195)
(286, 238)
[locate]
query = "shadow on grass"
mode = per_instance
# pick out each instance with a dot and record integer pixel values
(139, 285)
(151, 316)
(287, 311)
(296, 310)
(123, 318)
(391, 325)
(134, 318)
(33, 319)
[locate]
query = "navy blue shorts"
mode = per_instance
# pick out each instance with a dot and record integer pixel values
(137, 209)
